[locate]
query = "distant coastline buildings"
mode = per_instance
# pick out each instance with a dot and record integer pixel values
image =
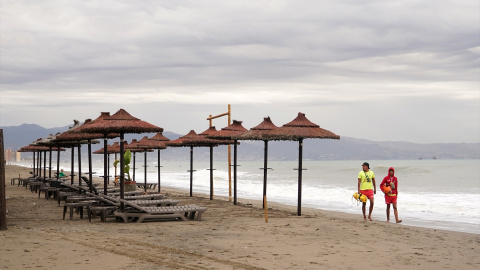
(12, 156)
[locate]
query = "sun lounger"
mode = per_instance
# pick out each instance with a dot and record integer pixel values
(157, 196)
(140, 202)
(141, 213)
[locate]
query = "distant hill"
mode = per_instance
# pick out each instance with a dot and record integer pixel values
(344, 149)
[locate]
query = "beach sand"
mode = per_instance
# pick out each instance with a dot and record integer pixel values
(227, 237)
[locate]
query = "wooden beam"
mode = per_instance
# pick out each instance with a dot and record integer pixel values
(3, 205)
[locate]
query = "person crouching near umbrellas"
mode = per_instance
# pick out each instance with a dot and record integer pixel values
(367, 187)
(391, 182)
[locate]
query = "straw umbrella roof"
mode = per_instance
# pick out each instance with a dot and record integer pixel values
(159, 137)
(111, 149)
(300, 128)
(48, 142)
(114, 148)
(121, 122)
(88, 122)
(146, 143)
(228, 132)
(190, 139)
(133, 147)
(259, 132)
(33, 148)
(210, 131)
(75, 133)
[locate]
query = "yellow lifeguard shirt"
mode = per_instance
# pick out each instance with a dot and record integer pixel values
(366, 178)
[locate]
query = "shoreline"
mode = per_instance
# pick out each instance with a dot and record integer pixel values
(227, 237)
(378, 213)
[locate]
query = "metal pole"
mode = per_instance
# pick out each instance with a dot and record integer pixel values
(73, 167)
(122, 174)
(145, 170)
(300, 153)
(134, 155)
(191, 171)
(211, 172)
(79, 164)
(265, 168)
(44, 165)
(229, 162)
(159, 170)
(50, 164)
(34, 172)
(3, 196)
(90, 176)
(39, 164)
(105, 165)
(108, 162)
(235, 172)
(58, 163)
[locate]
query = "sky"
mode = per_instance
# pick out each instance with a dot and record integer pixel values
(378, 70)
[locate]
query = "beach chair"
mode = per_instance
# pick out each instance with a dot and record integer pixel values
(154, 196)
(134, 212)
(109, 204)
(141, 202)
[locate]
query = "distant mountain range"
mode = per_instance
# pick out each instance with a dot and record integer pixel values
(314, 149)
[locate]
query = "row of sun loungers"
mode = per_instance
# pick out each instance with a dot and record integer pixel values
(134, 207)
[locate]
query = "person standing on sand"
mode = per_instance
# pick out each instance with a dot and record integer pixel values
(391, 197)
(367, 187)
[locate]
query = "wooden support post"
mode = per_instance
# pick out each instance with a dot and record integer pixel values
(3, 200)
(229, 161)
(210, 118)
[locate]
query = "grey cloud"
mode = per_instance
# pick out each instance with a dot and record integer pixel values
(300, 54)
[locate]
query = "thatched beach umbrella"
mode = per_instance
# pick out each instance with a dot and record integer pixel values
(146, 145)
(35, 149)
(46, 142)
(105, 136)
(111, 149)
(26, 150)
(73, 135)
(191, 140)
(122, 122)
(76, 124)
(297, 130)
(228, 133)
(133, 147)
(51, 143)
(159, 143)
(212, 130)
(260, 133)
(41, 143)
(39, 159)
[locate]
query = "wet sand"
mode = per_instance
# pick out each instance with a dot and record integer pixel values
(227, 237)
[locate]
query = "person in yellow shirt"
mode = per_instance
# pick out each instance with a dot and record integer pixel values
(367, 187)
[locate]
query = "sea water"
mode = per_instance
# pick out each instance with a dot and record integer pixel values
(443, 194)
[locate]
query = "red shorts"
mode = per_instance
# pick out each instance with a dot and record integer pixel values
(390, 199)
(367, 192)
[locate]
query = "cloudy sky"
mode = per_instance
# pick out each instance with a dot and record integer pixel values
(379, 70)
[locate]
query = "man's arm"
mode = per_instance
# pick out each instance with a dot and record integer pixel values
(374, 186)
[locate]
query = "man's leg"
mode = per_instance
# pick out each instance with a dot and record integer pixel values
(370, 210)
(363, 210)
(396, 213)
(388, 212)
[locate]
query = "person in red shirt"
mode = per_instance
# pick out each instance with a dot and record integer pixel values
(391, 182)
